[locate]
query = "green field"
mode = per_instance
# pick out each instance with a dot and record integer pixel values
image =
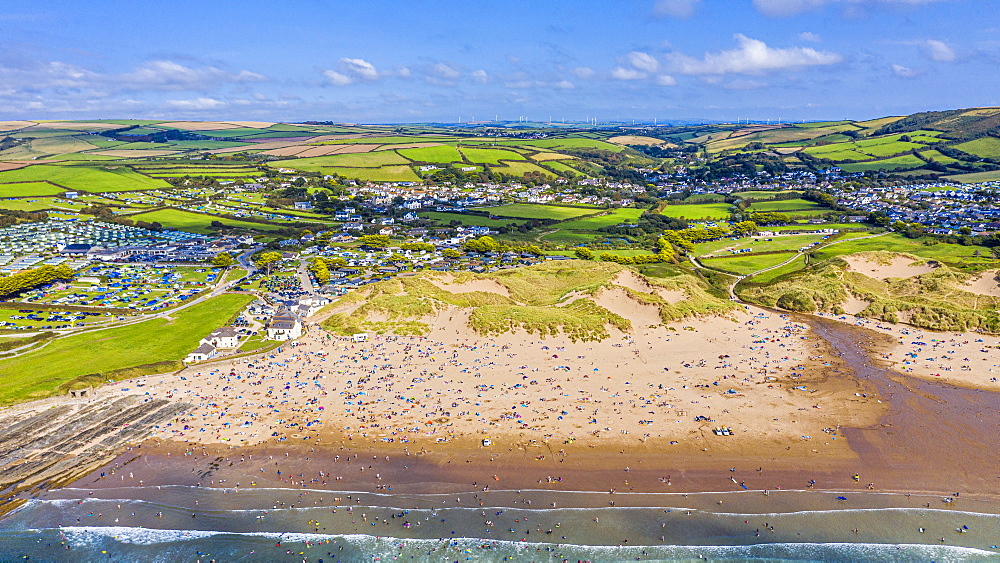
(757, 243)
(607, 219)
(975, 177)
(768, 276)
(699, 211)
(537, 211)
(895, 163)
(465, 219)
(747, 263)
(195, 222)
(85, 178)
(561, 167)
(938, 157)
(986, 147)
(39, 374)
(758, 194)
(442, 154)
(351, 160)
(29, 189)
(383, 174)
(954, 254)
(489, 156)
(520, 168)
(788, 206)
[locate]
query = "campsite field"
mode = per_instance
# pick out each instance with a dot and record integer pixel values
(195, 222)
(92, 179)
(39, 374)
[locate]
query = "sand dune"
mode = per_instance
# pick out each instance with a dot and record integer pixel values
(881, 268)
(448, 283)
(620, 302)
(984, 284)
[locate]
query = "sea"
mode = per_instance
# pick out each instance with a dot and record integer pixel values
(186, 523)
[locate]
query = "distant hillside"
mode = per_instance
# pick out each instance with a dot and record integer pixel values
(962, 144)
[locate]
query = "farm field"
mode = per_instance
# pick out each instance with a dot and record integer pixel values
(489, 156)
(698, 212)
(383, 174)
(39, 374)
(351, 160)
(973, 177)
(747, 263)
(84, 178)
(560, 167)
(758, 194)
(29, 189)
(195, 222)
(895, 163)
(443, 154)
(520, 168)
(788, 205)
(607, 219)
(465, 219)
(537, 211)
(985, 147)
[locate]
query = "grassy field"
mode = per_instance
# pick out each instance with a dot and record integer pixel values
(85, 178)
(698, 211)
(770, 275)
(985, 147)
(974, 177)
(536, 211)
(895, 163)
(195, 222)
(383, 174)
(40, 374)
(747, 263)
(757, 243)
(29, 189)
(442, 154)
(609, 218)
(352, 160)
(470, 220)
(893, 242)
(788, 206)
(560, 167)
(489, 156)
(520, 168)
(758, 194)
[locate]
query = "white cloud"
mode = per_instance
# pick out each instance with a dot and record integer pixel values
(564, 85)
(169, 75)
(682, 9)
(584, 72)
(360, 68)
(905, 72)
(622, 73)
(809, 36)
(939, 50)
(337, 79)
(480, 76)
(403, 72)
(444, 71)
(197, 104)
(642, 61)
(752, 57)
(350, 71)
(666, 80)
(779, 8)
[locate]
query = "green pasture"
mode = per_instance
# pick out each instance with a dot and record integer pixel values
(489, 156)
(350, 160)
(443, 154)
(465, 219)
(537, 211)
(787, 206)
(195, 222)
(895, 163)
(383, 174)
(605, 218)
(793, 266)
(926, 248)
(744, 264)
(698, 211)
(29, 189)
(85, 178)
(520, 168)
(975, 177)
(985, 147)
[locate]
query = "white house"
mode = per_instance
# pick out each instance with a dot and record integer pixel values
(224, 337)
(284, 326)
(204, 352)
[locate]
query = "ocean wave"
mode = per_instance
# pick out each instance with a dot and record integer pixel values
(91, 536)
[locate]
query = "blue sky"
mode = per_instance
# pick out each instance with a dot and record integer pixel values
(423, 61)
